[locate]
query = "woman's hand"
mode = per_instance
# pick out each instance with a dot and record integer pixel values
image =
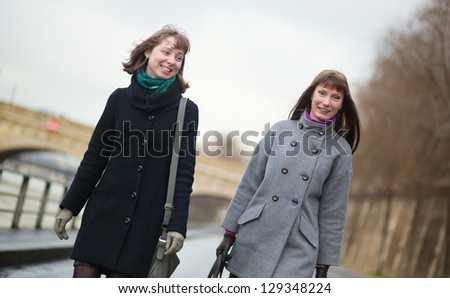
(224, 247)
(321, 271)
(174, 242)
(61, 221)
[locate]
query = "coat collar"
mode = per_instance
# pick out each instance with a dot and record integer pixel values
(143, 101)
(322, 129)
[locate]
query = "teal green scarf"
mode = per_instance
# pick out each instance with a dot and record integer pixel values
(151, 85)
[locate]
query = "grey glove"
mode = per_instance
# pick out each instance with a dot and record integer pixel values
(174, 242)
(61, 221)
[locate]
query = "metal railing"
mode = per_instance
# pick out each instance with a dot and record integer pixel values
(16, 194)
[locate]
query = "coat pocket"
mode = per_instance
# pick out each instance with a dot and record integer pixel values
(251, 213)
(308, 230)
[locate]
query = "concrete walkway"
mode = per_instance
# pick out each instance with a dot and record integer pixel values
(26, 246)
(40, 254)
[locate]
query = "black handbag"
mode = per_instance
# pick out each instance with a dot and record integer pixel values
(162, 266)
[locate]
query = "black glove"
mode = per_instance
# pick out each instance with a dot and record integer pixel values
(224, 247)
(321, 271)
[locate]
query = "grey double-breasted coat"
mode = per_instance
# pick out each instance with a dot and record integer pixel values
(290, 207)
(123, 178)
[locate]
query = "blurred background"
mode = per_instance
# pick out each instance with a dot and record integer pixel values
(249, 62)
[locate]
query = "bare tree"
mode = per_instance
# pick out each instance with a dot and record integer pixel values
(405, 106)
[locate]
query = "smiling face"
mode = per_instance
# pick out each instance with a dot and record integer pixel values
(325, 103)
(164, 60)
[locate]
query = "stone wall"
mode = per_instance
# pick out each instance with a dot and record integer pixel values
(398, 237)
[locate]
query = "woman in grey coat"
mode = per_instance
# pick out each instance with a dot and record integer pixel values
(287, 216)
(122, 179)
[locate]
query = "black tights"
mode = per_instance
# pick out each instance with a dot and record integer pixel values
(86, 270)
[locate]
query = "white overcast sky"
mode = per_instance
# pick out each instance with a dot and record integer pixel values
(249, 61)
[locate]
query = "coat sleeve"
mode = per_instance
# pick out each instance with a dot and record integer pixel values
(94, 161)
(332, 215)
(185, 173)
(250, 182)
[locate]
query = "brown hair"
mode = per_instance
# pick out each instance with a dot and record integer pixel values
(347, 120)
(138, 60)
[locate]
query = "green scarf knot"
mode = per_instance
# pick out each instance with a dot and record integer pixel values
(152, 85)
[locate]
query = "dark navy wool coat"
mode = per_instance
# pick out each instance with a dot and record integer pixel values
(123, 178)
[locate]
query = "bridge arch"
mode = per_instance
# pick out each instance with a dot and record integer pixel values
(16, 147)
(27, 130)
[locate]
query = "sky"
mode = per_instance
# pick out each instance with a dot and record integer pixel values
(249, 61)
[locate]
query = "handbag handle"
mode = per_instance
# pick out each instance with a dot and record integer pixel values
(173, 167)
(216, 269)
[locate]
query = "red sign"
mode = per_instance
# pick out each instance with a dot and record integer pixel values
(52, 126)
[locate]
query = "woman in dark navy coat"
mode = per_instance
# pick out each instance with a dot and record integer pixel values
(123, 176)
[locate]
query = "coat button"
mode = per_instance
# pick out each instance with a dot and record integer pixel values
(314, 150)
(295, 201)
(300, 125)
(127, 220)
(305, 177)
(134, 194)
(284, 170)
(294, 143)
(151, 117)
(321, 132)
(275, 198)
(139, 168)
